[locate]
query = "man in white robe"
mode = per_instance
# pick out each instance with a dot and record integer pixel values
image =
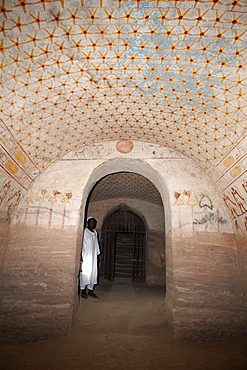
(89, 260)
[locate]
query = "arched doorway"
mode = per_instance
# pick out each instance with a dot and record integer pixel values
(123, 244)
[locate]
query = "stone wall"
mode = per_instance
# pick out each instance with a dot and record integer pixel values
(205, 262)
(207, 292)
(38, 283)
(40, 258)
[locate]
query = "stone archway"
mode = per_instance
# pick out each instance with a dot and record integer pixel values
(123, 243)
(130, 191)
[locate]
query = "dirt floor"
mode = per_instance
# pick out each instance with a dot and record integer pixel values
(125, 329)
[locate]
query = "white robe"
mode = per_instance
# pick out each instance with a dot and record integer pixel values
(90, 251)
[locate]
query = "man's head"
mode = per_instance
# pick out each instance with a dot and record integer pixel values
(91, 223)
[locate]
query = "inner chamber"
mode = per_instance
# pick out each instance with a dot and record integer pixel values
(123, 247)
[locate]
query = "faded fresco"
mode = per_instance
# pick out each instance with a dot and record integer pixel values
(200, 211)
(14, 161)
(42, 206)
(10, 195)
(110, 149)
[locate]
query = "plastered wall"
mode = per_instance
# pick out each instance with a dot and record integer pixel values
(205, 278)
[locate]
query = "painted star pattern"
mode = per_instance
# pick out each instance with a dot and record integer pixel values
(166, 72)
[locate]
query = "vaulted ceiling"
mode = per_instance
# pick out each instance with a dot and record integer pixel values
(126, 185)
(79, 72)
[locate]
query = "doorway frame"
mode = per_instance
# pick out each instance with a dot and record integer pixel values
(145, 169)
(145, 242)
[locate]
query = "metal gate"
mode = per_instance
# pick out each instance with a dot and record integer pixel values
(123, 246)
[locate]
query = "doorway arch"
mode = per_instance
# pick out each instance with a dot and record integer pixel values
(123, 244)
(129, 165)
(127, 190)
(159, 180)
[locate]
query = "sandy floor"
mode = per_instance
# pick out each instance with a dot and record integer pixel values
(123, 330)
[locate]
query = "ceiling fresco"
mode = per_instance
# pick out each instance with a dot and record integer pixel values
(74, 73)
(128, 185)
